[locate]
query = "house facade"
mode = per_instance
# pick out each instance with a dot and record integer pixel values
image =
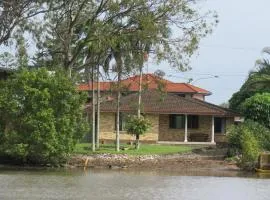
(173, 119)
(178, 114)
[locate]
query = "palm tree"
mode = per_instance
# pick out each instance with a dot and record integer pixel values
(259, 80)
(116, 55)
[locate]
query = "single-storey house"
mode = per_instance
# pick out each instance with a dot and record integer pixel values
(178, 114)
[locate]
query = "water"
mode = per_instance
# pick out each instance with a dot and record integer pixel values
(127, 184)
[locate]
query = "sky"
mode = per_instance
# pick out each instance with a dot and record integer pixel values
(231, 51)
(226, 56)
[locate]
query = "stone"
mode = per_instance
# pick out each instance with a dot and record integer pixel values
(264, 161)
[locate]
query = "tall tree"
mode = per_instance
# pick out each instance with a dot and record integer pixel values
(93, 111)
(260, 79)
(258, 82)
(21, 50)
(117, 27)
(20, 13)
(41, 116)
(82, 22)
(257, 108)
(63, 43)
(90, 73)
(98, 107)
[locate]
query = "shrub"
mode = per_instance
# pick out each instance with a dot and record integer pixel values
(250, 151)
(257, 108)
(246, 140)
(261, 133)
(137, 126)
(41, 116)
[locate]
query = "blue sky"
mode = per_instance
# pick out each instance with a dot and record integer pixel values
(231, 51)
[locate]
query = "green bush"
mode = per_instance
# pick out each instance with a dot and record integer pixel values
(261, 133)
(137, 126)
(257, 108)
(246, 141)
(234, 140)
(250, 151)
(41, 116)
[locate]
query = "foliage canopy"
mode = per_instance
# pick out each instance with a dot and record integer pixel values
(257, 108)
(247, 140)
(97, 28)
(258, 82)
(137, 126)
(41, 116)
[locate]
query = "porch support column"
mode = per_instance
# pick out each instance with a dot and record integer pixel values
(186, 128)
(213, 130)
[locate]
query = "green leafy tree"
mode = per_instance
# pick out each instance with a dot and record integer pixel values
(104, 24)
(137, 126)
(250, 151)
(122, 31)
(257, 108)
(21, 14)
(41, 115)
(260, 132)
(21, 47)
(246, 141)
(258, 82)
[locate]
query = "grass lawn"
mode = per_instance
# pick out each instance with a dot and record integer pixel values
(145, 149)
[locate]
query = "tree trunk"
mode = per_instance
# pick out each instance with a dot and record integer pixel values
(67, 45)
(93, 112)
(140, 93)
(137, 141)
(118, 113)
(98, 107)
(139, 106)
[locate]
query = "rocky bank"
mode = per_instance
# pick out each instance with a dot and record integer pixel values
(173, 162)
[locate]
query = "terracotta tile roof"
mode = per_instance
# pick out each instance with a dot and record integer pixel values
(155, 102)
(104, 86)
(197, 89)
(150, 81)
(150, 78)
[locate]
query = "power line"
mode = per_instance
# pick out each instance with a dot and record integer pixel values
(207, 74)
(257, 49)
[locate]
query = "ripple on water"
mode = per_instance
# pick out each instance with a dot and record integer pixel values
(129, 184)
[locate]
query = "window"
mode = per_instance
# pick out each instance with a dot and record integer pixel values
(181, 95)
(178, 121)
(220, 125)
(122, 121)
(193, 121)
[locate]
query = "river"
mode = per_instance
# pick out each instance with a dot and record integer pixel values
(98, 184)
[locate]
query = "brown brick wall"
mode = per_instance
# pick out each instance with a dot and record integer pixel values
(160, 130)
(223, 137)
(205, 126)
(107, 129)
(167, 134)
